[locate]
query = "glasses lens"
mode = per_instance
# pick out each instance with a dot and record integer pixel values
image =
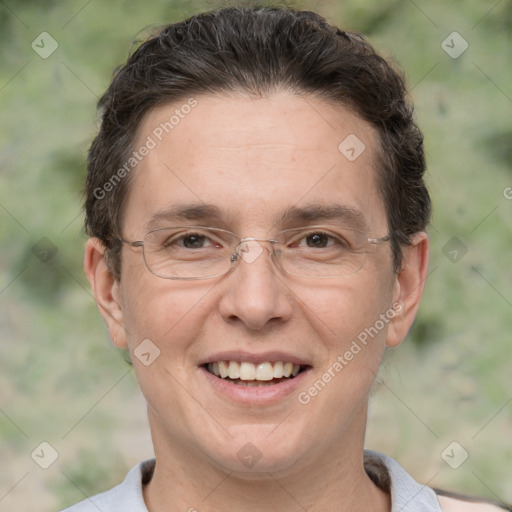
(323, 251)
(197, 252)
(188, 252)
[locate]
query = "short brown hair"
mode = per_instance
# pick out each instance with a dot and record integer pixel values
(258, 50)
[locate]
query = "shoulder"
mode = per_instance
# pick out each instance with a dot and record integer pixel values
(457, 504)
(125, 497)
(407, 495)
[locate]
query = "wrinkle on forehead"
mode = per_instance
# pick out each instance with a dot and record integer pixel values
(255, 159)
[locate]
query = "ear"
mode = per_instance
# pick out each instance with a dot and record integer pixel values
(105, 289)
(408, 289)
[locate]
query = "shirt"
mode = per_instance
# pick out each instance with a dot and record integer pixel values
(407, 495)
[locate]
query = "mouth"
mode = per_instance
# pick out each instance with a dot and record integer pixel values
(248, 374)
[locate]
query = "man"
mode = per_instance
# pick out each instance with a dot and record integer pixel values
(257, 213)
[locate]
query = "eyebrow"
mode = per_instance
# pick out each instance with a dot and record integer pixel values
(211, 214)
(351, 217)
(178, 212)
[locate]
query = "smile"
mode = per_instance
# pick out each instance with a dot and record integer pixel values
(245, 373)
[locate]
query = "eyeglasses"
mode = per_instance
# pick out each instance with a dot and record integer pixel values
(197, 252)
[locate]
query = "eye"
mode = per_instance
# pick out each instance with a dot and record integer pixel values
(193, 241)
(319, 240)
(189, 240)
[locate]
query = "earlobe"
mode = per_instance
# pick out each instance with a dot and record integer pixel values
(105, 289)
(409, 285)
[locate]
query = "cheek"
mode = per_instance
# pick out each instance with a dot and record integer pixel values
(351, 322)
(163, 321)
(340, 312)
(169, 313)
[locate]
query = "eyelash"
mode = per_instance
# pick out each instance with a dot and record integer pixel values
(331, 239)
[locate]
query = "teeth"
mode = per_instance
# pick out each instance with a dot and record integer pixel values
(250, 383)
(264, 371)
(223, 369)
(278, 369)
(233, 370)
(246, 371)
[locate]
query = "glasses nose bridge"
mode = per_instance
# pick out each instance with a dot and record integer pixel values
(256, 239)
(243, 251)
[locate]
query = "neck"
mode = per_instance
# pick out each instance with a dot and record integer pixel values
(332, 480)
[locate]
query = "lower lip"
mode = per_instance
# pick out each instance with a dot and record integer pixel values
(255, 394)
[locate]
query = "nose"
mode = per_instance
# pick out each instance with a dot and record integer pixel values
(255, 294)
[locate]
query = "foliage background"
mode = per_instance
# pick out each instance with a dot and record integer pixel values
(60, 379)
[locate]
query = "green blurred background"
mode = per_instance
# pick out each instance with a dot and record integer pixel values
(62, 382)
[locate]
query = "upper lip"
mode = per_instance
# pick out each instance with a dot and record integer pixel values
(255, 358)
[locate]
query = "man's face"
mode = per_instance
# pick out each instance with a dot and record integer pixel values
(254, 160)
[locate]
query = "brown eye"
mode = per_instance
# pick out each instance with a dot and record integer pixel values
(190, 240)
(318, 240)
(193, 241)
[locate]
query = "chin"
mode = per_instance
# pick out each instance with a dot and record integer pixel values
(259, 449)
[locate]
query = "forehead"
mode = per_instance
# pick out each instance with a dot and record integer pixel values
(253, 161)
